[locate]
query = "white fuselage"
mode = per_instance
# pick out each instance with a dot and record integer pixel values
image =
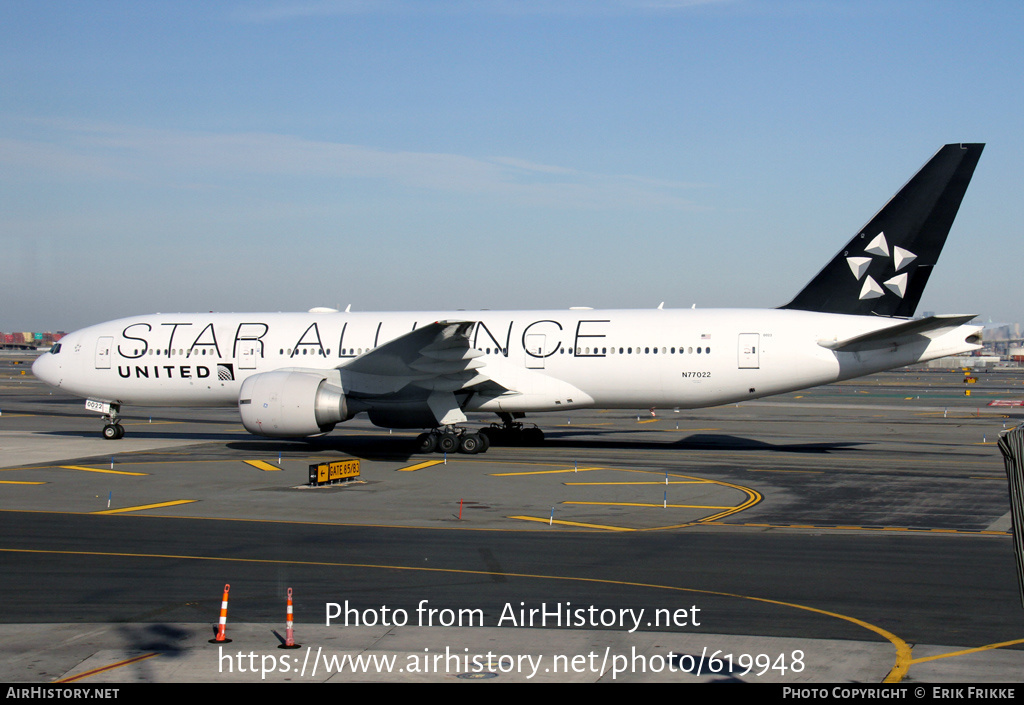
(618, 358)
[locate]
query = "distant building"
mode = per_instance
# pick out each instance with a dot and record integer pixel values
(28, 340)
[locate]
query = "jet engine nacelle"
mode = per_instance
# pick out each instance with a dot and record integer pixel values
(285, 404)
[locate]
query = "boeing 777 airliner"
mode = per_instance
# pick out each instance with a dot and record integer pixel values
(300, 374)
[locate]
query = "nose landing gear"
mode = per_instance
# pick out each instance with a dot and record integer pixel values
(112, 430)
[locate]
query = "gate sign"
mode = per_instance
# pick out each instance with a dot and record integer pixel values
(333, 471)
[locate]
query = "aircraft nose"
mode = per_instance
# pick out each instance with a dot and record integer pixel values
(46, 368)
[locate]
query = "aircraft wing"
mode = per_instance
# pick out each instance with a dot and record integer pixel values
(429, 363)
(899, 334)
(436, 357)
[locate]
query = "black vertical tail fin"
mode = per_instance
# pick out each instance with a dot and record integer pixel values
(883, 269)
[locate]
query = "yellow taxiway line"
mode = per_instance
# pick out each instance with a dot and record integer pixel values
(649, 504)
(542, 472)
(102, 470)
(421, 466)
(263, 465)
(139, 508)
(659, 482)
(896, 674)
(103, 669)
(561, 522)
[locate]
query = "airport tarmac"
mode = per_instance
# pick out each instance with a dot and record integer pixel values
(856, 532)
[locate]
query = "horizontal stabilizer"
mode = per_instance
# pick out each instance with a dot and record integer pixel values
(900, 334)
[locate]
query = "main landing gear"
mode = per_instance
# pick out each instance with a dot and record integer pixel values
(509, 432)
(513, 433)
(451, 439)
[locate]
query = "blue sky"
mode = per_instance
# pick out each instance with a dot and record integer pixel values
(443, 154)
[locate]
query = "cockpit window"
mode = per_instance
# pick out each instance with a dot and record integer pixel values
(55, 349)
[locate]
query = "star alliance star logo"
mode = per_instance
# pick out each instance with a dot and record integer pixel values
(878, 247)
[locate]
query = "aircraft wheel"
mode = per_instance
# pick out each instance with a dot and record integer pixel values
(447, 443)
(471, 444)
(112, 432)
(426, 442)
(533, 436)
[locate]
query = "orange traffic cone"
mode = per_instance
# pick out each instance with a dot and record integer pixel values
(289, 631)
(223, 623)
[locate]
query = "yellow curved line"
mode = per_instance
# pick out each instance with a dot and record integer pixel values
(753, 496)
(899, 669)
